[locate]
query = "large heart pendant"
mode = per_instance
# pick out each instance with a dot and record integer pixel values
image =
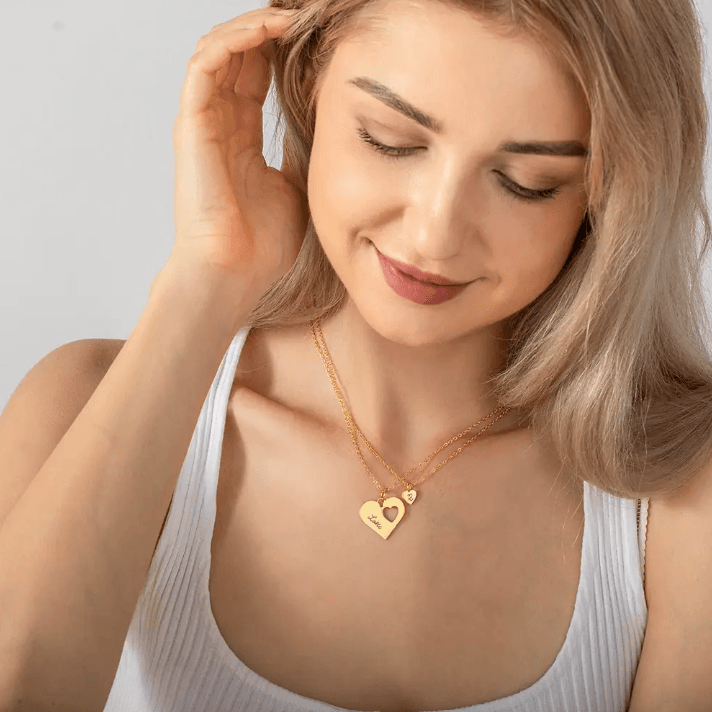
(373, 515)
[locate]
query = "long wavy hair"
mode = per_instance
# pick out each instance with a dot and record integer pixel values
(611, 362)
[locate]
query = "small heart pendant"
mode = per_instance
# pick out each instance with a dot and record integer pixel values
(373, 515)
(409, 496)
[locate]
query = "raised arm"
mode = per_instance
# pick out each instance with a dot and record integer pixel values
(76, 546)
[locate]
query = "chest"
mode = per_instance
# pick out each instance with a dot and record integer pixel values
(468, 600)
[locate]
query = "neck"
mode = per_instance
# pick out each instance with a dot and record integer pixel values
(409, 400)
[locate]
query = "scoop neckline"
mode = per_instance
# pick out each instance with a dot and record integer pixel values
(273, 690)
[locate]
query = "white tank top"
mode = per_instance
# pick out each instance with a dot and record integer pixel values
(175, 659)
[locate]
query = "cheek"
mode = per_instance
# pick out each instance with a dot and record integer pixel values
(341, 194)
(532, 259)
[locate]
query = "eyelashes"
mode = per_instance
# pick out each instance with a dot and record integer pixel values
(519, 192)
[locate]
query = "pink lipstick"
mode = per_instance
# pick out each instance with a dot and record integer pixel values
(417, 290)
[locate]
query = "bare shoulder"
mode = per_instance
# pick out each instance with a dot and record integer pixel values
(673, 672)
(42, 408)
(64, 377)
(74, 370)
(105, 350)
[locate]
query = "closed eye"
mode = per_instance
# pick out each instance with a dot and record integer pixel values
(517, 191)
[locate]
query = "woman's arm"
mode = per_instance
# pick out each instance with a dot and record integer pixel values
(76, 546)
(675, 669)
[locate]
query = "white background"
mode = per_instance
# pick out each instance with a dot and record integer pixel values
(89, 95)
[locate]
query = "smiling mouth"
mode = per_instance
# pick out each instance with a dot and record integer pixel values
(397, 267)
(430, 284)
(422, 281)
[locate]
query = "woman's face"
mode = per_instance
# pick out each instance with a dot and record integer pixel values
(449, 204)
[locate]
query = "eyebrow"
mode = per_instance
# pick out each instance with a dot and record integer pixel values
(393, 100)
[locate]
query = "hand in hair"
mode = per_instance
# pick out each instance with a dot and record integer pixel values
(234, 214)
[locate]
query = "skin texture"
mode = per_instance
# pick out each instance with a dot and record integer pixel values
(414, 369)
(471, 598)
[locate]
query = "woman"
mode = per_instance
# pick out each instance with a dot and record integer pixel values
(300, 356)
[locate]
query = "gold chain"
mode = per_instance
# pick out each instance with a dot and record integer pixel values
(353, 428)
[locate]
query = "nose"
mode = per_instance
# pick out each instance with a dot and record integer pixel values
(442, 217)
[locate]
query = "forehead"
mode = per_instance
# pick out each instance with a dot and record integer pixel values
(460, 69)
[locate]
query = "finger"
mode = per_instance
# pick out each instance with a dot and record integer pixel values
(253, 80)
(227, 76)
(200, 81)
(248, 19)
(270, 18)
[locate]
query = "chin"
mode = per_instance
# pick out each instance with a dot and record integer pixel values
(403, 325)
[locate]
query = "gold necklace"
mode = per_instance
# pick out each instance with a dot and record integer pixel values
(373, 512)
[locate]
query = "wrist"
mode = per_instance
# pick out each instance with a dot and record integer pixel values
(199, 291)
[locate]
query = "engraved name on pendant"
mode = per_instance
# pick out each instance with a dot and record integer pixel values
(373, 514)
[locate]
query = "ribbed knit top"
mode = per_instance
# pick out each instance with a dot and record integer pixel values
(175, 659)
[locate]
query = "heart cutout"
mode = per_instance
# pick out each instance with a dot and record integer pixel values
(390, 513)
(373, 515)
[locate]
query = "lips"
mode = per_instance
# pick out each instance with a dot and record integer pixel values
(415, 273)
(415, 290)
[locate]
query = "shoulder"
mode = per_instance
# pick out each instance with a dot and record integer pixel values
(86, 361)
(73, 367)
(677, 649)
(104, 351)
(83, 354)
(42, 408)
(62, 381)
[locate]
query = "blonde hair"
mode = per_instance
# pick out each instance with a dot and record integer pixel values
(609, 362)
